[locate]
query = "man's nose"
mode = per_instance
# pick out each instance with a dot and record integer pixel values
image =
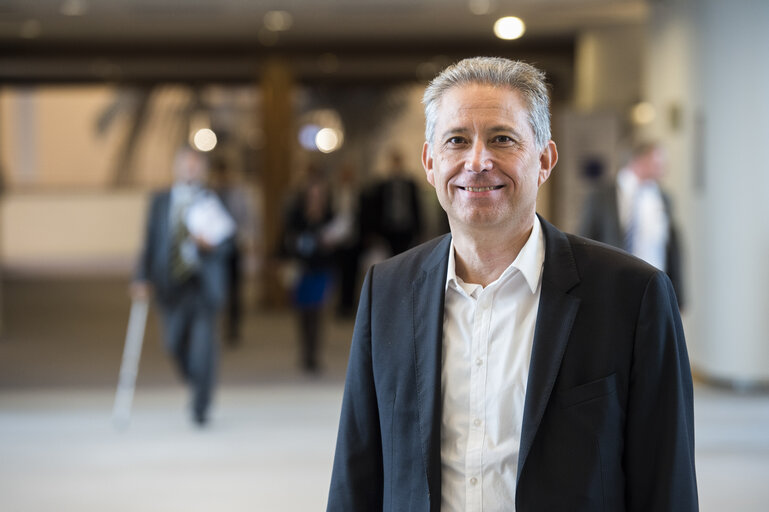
(479, 159)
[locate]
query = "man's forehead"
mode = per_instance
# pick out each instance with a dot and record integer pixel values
(503, 103)
(481, 96)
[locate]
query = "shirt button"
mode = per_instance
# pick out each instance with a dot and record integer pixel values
(478, 362)
(473, 481)
(477, 422)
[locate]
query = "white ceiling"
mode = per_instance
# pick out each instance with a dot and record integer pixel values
(226, 40)
(314, 21)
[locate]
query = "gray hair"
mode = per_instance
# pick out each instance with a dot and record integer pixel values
(496, 71)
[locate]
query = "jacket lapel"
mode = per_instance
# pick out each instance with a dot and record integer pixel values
(163, 240)
(557, 310)
(428, 291)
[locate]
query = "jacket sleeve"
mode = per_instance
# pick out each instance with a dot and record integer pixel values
(357, 477)
(214, 271)
(659, 450)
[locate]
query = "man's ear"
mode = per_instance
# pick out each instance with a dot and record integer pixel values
(427, 163)
(547, 160)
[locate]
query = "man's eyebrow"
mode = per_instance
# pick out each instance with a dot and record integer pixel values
(497, 128)
(453, 131)
(505, 128)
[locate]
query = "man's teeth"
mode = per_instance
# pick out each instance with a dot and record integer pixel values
(480, 189)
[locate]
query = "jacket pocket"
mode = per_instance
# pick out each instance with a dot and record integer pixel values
(589, 391)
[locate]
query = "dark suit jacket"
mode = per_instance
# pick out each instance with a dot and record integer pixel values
(600, 221)
(608, 419)
(155, 258)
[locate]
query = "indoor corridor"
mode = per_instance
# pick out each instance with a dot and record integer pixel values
(270, 443)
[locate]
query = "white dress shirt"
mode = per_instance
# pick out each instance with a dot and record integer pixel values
(487, 339)
(641, 204)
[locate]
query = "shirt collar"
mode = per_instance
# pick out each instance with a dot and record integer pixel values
(529, 261)
(630, 184)
(627, 180)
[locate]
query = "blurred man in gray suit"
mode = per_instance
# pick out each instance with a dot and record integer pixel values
(632, 212)
(187, 275)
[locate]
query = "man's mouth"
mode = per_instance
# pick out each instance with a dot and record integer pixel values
(481, 189)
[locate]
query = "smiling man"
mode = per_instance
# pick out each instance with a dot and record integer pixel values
(507, 365)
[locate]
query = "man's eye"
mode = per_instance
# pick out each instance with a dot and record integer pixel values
(456, 140)
(504, 139)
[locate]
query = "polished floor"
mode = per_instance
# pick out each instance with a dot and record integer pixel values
(270, 443)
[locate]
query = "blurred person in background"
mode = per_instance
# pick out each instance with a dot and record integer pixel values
(633, 213)
(398, 209)
(508, 365)
(306, 241)
(345, 233)
(185, 269)
(236, 196)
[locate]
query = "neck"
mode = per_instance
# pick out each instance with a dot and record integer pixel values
(480, 258)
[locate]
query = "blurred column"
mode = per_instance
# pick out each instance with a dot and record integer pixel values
(608, 83)
(608, 70)
(707, 79)
(277, 124)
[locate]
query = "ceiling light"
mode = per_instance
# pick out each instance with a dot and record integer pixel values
(479, 7)
(643, 113)
(328, 140)
(321, 130)
(204, 139)
(278, 21)
(73, 7)
(307, 135)
(509, 27)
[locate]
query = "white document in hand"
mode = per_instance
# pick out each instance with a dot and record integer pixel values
(208, 219)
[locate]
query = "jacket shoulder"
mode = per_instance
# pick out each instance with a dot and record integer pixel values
(589, 250)
(607, 271)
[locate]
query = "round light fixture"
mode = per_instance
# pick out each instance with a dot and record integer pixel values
(204, 139)
(73, 7)
(278, 21)
(321, 130)
(509, 28)
(307, 135)
(643, 113)
(328, 140)
(479, 7)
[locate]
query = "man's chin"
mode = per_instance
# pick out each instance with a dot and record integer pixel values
(481, 220)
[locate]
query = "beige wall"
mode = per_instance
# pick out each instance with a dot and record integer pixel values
(49, 136)
(72, 232)
(702, 65)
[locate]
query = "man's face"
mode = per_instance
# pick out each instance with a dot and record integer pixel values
(483, 161)
(191, 168)
(652, 164)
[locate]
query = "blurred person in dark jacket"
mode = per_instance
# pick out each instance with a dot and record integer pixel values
(238, 200)
(185, 270)
(307, 242)
(632, 212)
(346, 234)
(398, 206)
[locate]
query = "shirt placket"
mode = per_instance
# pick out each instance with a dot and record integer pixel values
(477, 409)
